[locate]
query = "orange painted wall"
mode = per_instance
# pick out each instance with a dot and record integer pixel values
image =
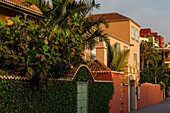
(119, 101)
(120, 29)
(115, 102)
(149, 94)
(125, 99)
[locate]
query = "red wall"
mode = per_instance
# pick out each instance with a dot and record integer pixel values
(119, 101)
(149, 94)
(125, 97)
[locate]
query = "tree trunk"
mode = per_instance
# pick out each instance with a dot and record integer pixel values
(142, 64)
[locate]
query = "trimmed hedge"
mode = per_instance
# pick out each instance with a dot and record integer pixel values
(57, 96)
(16, 96)
(99, 96)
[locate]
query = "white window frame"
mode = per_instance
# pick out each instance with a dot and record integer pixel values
(137, 35)
(133, 32)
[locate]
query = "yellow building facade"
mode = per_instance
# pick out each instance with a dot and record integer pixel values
(125, 32)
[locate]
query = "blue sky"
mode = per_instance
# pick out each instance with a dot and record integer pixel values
(147, 13)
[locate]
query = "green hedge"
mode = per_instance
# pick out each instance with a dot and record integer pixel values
(16, 96)
(99, 96)
(57, 96)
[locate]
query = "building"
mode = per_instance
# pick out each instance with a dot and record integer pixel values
(158, 41)
(11, 8)
(125, 33)
(166, 54)
(148, 35)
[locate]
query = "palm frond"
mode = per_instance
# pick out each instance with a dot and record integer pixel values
(117, 60)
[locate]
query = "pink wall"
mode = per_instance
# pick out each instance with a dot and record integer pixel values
(125, 99)
(119, 101)
(149, 94)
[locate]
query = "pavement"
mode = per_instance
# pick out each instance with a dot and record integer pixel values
(163, 107)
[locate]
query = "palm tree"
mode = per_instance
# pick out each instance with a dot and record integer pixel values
(151, 58)
(144, 53)
(117, 60)
(62, 13)
(148, 55)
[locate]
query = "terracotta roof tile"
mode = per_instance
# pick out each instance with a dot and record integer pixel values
(110, 16)
(100, 71)
(6, 76)
(19, 4)
(113, 17)
(16, 1)
(97, 66)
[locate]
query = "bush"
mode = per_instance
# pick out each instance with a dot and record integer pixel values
(38, 49)
(57, 97)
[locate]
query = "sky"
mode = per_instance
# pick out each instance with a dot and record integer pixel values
(154, 14)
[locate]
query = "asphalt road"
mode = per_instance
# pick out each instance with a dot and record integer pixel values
(163, 107)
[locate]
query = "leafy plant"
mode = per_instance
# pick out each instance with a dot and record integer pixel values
(59, 96)
(117, 60)
(42, 50)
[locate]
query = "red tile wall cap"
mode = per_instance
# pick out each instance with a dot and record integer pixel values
(118, 72)
(7, 76)
(94, 78)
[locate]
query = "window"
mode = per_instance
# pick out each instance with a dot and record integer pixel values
(135, 60)
(93, 54)
(137, 35)
(125, 48)
(133, 32)
(118, 47)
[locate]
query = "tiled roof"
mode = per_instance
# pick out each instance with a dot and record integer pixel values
(98, 67)
(110, 16)
(113, 17)
(100, 71)
(20, 5)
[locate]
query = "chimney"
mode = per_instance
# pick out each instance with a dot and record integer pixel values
(101, 52)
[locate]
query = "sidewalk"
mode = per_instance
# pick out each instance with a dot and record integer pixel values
(163, 107)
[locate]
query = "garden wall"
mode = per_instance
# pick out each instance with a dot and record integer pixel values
(119, 101)
(149, 94)
(55, 96)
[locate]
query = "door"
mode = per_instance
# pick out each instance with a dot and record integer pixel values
(131, 96)
(82, 100)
